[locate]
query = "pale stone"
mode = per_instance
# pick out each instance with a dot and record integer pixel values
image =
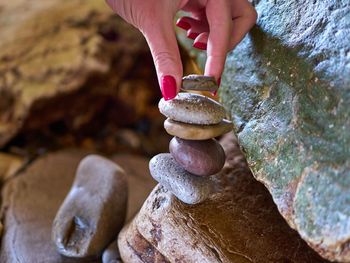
(196, 132)
(192, 108)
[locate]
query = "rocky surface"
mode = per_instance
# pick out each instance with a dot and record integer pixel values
(197, 132)
(198, 157)
(111, 253)
(10, 164)
(93, 211)
(136, 249)
(287, 86)
(62, 53)
(32, 199)
(189, 188)
(199, 83)
(240, 223)
(192, 108)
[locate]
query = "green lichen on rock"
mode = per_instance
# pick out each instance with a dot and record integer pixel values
(288, 88)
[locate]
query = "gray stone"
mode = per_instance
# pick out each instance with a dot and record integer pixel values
(31, 199)
(192, 108)
(199, 83)
(94, 210)
(197, 132)
(198, 157)
(287, 86)
(111, 253)
(189, 188)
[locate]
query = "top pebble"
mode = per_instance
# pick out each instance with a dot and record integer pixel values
(199, 83)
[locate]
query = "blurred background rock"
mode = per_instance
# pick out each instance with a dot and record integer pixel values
(73, 74)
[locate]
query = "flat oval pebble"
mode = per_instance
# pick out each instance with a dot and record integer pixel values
(189, 188)
(199, 82)
(198, 157)
(195, 131)
(192, 108)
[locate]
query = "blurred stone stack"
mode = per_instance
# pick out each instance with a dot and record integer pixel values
(194, 155)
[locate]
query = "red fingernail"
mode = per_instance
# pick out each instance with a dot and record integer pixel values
(183, 25)
(192, 35)
(200, 45)
(168, 87)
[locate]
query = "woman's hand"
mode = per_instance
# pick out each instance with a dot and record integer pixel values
(215, 25)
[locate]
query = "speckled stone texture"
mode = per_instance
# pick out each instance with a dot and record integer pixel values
(187, 187)
(195, 131)
(287, 86)
(192, 108)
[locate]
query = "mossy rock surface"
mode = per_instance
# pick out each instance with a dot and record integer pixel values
(287, 86)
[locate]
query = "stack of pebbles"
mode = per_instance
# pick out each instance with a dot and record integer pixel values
(194, 155)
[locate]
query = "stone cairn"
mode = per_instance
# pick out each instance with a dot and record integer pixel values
(195, 120)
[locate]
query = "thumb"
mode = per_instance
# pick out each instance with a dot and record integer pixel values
(160, 36)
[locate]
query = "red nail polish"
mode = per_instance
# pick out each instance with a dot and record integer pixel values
(192, 35)
(200, 45)
(168, 87)
(183, 25)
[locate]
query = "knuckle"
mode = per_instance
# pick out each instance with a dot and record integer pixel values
(252, 14)
(164, 59)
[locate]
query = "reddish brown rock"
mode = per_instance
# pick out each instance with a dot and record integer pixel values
(198, 157)
(238, 224)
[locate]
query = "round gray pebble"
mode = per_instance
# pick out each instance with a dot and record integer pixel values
(192, 108)
(189, 188)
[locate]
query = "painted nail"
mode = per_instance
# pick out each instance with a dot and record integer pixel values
(168, 87)
(183, 24)
(192, 35)
(200, 45)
